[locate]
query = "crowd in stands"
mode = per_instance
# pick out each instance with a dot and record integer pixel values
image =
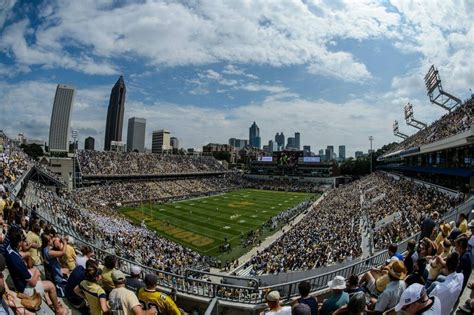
(109, 230)
(132, 163)
(335, 220)
(114, 192)
(450, 124)
(13, 161)
(409, 201)
(284, 185)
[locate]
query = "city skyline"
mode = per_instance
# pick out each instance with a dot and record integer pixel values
(332, 82)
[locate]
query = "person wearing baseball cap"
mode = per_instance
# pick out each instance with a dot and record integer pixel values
(122, 300)
(150, 297)
(273, 302)
(338, 297)
(133, 282)
(414, 300)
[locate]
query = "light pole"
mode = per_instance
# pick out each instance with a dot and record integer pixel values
(371, 139)
(74, 137)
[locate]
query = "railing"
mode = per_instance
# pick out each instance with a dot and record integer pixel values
(193, 282)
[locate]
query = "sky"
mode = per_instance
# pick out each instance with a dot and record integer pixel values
(335, 71)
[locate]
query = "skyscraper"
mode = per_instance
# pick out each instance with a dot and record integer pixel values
(114, 124)
(61, 118)
(297, 140)
(280, 140)
(89, 144)
(342, 152)
(329, 152)
(254, 136)
(291, 143)
(160, 141)
(136, 134)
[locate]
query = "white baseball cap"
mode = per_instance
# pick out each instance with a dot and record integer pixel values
(338, 283)
(135, 270)
(411, 294)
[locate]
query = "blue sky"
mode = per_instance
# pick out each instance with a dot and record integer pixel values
(337, 71)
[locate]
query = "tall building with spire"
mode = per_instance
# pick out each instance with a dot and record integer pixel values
(61, 118)
(114, 124)
(254, 136)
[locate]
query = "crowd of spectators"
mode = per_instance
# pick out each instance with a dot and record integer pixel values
(450, 124)
(411, 203)
(285, 185)
(332, 232)
(112, 232)
(132, 163)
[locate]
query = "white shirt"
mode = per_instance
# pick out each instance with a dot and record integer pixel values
(285, 310)
(448, 291)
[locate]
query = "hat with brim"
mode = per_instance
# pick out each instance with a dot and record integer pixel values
(412, 294)
(446, 229)
(398, 270)
(471, 224)
(338, 283)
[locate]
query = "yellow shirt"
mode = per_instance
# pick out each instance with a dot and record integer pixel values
(69, 260)
(463, 226)
(107, 282)
(33, 238)
(93, 293)
(163, 303)
(2, 205)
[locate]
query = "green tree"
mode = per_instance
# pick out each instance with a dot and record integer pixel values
(33, 150)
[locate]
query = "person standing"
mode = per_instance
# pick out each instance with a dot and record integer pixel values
(121, 300)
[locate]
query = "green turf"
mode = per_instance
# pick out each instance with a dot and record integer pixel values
(203, 223)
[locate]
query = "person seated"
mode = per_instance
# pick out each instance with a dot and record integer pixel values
(150, 298)
(353, 285)
(418, 275)
(356, 306)
(90, 290)
(391, 294)
(26, 280)
(304, 288)
(414, 300)
(337, 298)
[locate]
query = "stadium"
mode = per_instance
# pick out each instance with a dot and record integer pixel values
(238, 229)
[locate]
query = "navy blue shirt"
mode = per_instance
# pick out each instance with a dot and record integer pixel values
(465, 267)
(17, 268)
(311, 302)
(75, 278)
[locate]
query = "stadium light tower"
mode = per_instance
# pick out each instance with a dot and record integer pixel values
(436, 93)
(410, 120)
(74, 137)
(396, 131)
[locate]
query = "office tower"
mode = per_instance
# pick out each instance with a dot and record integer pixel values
(359, 154)
(272, 146)
(114, 124)
(89, 144)
(329, 152)
(160, 141)
(61, 118)
(254, 136)
(297, 140)
(238, 143)
(280, 140)
(307, 148)
(174, 143)
(291, 143)
(136, 134)
(342, 152)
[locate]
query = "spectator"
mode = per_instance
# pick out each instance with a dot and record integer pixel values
(34, 240)
(391, 295)
(414, 301)
(392, 252)
(300, 309)
(75, 278)
(428, 225)
(68, 261)
(450, 289)
(149, 297)
(462, 223)
(24, 280)
(353, 285)
(121, 300)
(356, 306)
(133, 282)
(465, 259)
(409, 261)
(418, 273)
(304, 288)
(87, 253)
(109, 266)
(92, 292)
(338, 297)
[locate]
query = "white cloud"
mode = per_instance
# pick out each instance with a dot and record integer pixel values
(254, 87)
(5, 9)
(204, 32)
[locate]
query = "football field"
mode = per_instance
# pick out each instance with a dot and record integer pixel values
(203, 224)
